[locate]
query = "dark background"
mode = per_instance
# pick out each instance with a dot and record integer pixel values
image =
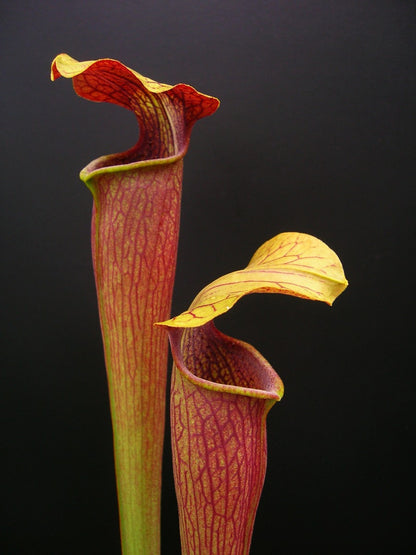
(316, 133)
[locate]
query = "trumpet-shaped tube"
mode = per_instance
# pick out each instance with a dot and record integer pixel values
(135, 228)
(222, 390)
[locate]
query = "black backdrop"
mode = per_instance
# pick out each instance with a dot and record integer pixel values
(315, 134)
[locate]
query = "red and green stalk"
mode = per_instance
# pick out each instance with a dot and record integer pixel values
(134, 240)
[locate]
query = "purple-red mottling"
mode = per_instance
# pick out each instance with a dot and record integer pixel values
(218, 437)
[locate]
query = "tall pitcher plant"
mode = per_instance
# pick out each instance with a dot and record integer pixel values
(134, 235)
(222, 388)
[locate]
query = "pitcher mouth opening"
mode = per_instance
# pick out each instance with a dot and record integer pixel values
(257, 379)
(124, 161)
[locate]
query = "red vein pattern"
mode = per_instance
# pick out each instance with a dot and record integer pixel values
(222, 390)
(134, 239)
(294, 264)
(165, 113)
(135, 228)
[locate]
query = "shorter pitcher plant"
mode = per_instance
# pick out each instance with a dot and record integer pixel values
(222, 388)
